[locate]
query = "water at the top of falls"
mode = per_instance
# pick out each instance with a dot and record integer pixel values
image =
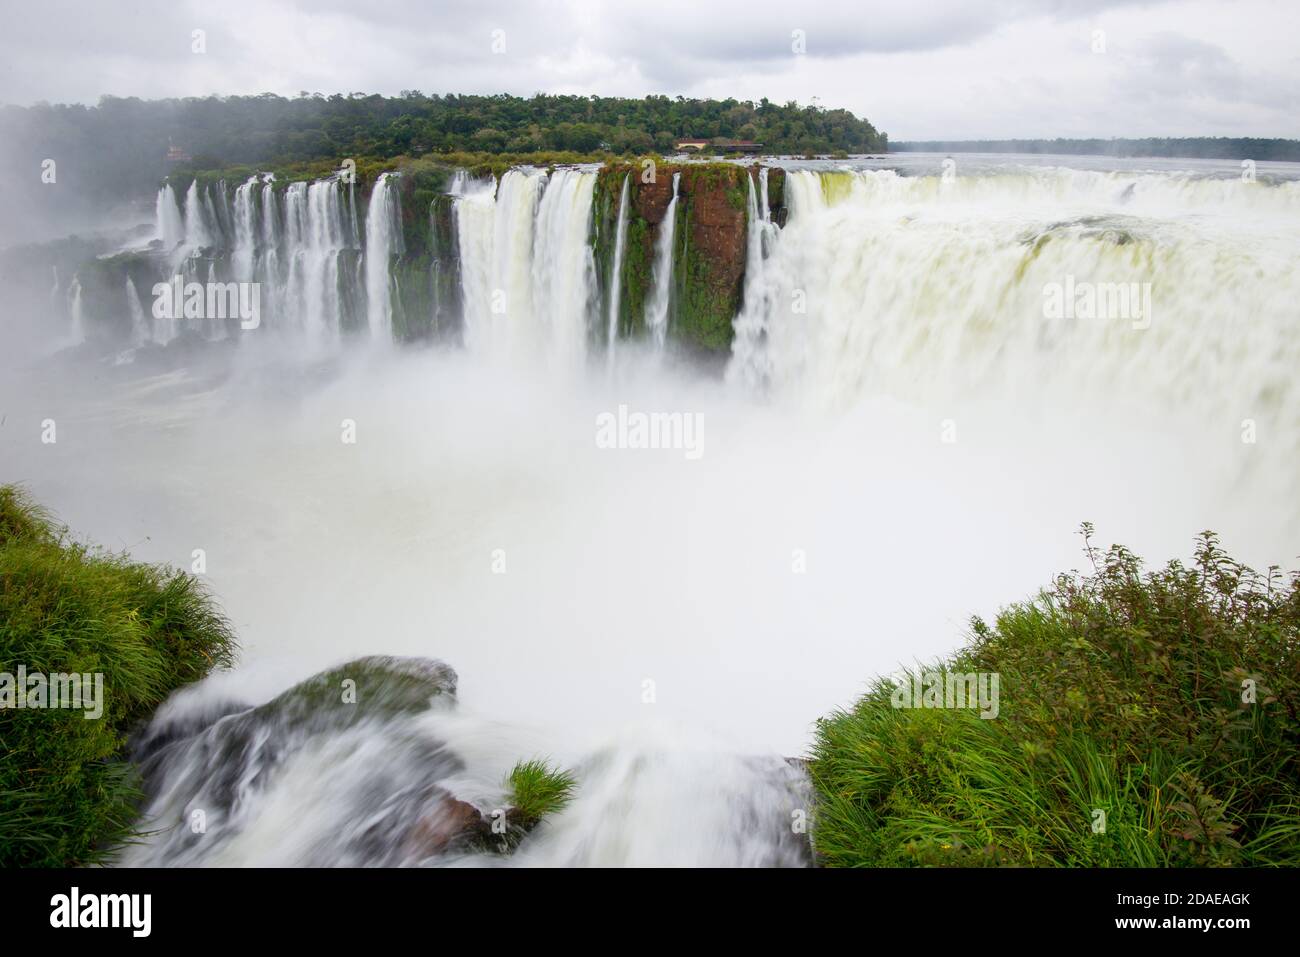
(662, 272)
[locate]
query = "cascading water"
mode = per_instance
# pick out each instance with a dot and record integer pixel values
(78, 330)
(749, 364)
(171, 227)
(616, 271)
(882, 297)
(912, 286)
(315, 237)
(245, 230)
(564, 279)
(198, 225)
(527, 273)
(383, 242)
(662, 275)
(140, 329)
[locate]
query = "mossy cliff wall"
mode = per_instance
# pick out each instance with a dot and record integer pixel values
(709, 245)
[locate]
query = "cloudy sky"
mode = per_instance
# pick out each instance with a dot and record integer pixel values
(916, 68)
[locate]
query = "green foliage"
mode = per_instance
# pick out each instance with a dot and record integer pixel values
(64, 608)
(537, 789)
(118, 147)
(1121, 692)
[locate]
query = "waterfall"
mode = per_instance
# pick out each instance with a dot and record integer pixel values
(75, 309)
(527, 272)
(198, 232)
(911, 287)
(383, 242)
(662, 273)
(140, 331)
(245, 230)
(616, 272)
(314, 238)
(563, 264)
(749, 364)
(170, 225)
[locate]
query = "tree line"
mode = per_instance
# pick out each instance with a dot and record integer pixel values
(126, 139)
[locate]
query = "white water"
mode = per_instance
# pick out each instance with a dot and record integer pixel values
(383, 242)
(910, 286)
(75, 309)
(527, 272)
(171, 227)
(314, 237)
(198, 223)
(750, 364)
(657, 307)
(616, 271)
(246, 230)
(476, 521)
(141, 332)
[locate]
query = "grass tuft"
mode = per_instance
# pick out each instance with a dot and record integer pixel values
(537, 789)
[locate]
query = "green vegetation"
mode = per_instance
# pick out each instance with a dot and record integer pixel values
(1166, 700)
(537, 789)
(118, 147)
(65, 795)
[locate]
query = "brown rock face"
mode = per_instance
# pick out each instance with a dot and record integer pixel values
(717, 233)
(652, 199)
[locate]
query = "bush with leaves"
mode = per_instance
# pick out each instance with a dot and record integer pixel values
(1145, 719)
(65, 794)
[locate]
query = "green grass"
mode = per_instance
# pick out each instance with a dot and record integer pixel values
(1121, 691)
(65, 794)
(536, 790)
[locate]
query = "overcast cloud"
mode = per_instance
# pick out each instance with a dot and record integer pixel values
(918, 69)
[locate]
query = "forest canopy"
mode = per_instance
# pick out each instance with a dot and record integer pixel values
(129, 138)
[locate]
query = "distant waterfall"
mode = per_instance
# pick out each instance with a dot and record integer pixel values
(749, 364)
(564, 269)
(245, 230)
(171, 227)
(140, 329)
(656, 319)
(198, 225)
(527, 270)
(315, 235)
(75, 310)
(383, 242)
(616, 272)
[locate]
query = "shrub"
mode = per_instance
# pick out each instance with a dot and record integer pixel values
(1167, 701)
(65, 794)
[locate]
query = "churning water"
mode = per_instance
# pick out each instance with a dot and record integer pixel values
(914, 444)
